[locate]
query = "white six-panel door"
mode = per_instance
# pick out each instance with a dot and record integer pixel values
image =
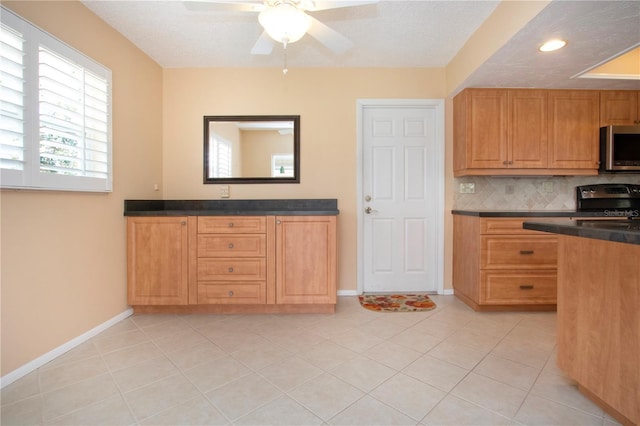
(401, 191)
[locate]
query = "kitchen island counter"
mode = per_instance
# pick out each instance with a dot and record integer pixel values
(620, 230)
(598, 329)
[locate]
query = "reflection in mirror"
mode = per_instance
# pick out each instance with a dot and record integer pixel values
(252, 149)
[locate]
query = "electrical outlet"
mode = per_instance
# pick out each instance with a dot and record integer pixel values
(547, 186)
(224, 191)
(468, 188)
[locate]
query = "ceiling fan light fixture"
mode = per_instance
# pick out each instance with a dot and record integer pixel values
(284, 22)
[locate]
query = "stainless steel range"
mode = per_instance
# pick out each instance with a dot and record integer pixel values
(609, 199)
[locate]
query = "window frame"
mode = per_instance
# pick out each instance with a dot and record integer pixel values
(30, 177)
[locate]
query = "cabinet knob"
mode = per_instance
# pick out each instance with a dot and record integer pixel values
(278, 222)
(183, 223)
(230, 293)
(526, 287)
(504, 163)
(231, 225)
(230, 269)
(230, 245)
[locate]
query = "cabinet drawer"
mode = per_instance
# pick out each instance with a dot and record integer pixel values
(506, 252)
(510, 226)
(232, 225)
(518, 287)
(231, 269)
(232, 292)
(232, 245)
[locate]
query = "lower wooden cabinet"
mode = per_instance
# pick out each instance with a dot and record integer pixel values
(306, 259)
(499, 265)
(157, 260)
(216, 263)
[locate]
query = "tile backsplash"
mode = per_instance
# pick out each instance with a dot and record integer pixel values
(528, 193)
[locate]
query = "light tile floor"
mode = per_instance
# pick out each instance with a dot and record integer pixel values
(449, 366)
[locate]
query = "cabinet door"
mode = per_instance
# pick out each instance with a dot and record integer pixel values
(486, 143)
(527, 131)
(619, 108)
(573, 129)
(157, 260)
(306, 259)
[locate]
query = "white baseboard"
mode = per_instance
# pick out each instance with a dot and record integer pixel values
(51, 355)
(447, 292)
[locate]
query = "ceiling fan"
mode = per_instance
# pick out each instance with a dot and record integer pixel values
(286, 21)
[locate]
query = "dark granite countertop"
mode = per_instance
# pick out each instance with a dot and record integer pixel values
(283, 207)
(528, 213)
(620, 231)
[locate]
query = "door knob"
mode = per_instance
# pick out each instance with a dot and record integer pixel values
(369, 210)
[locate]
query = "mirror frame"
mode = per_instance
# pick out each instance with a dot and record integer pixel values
(208, 119)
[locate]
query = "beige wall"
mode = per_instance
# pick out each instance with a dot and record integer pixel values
(324, 98)
(63, 254)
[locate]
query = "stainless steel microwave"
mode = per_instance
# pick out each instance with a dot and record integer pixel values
(620, 149)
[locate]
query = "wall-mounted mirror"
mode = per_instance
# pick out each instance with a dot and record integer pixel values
(252, 149)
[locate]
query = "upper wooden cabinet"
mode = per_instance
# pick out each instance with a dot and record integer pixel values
(619, 108)
(574, 134)
(525, 132)
(500, 129)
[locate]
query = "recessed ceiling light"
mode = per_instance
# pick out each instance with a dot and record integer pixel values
(551, 45)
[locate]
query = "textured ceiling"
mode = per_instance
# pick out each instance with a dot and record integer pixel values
(417, 33)
(386, 34)
(596, 32)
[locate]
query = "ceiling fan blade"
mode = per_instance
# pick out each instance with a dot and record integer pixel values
(329, 37)
(263, 46)
(223, 5)
(316, 5)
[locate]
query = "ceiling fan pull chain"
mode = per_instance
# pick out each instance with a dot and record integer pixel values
(284, 67)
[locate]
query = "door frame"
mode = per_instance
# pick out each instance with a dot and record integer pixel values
(438, 106)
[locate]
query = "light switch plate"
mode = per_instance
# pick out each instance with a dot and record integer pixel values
(547, 186)
(468, 188)
(224, 191)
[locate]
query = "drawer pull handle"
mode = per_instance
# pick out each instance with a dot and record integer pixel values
(230, 245)
(526, 287)
(231, 225)
(230, 269)
(230, 293)
(526, 251)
